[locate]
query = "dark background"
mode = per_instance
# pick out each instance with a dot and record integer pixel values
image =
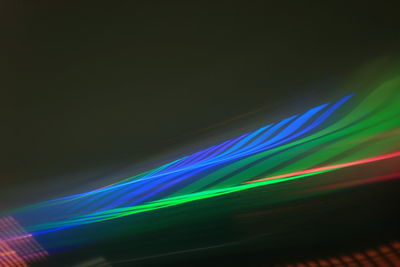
(108, 83)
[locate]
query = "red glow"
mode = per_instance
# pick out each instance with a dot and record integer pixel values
(330, 167)
(17, 248)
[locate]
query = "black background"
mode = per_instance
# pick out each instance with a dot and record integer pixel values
(106, 83)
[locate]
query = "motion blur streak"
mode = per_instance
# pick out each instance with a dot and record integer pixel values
(331, 167)
(353, 131)
(116, 213)
(18, 248)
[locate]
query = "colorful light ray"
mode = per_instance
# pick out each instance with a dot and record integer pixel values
(173, 201)
(296, 147)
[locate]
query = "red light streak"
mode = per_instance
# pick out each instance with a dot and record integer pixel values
(330, 167)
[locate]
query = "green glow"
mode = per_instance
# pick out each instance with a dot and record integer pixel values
(370, 129)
